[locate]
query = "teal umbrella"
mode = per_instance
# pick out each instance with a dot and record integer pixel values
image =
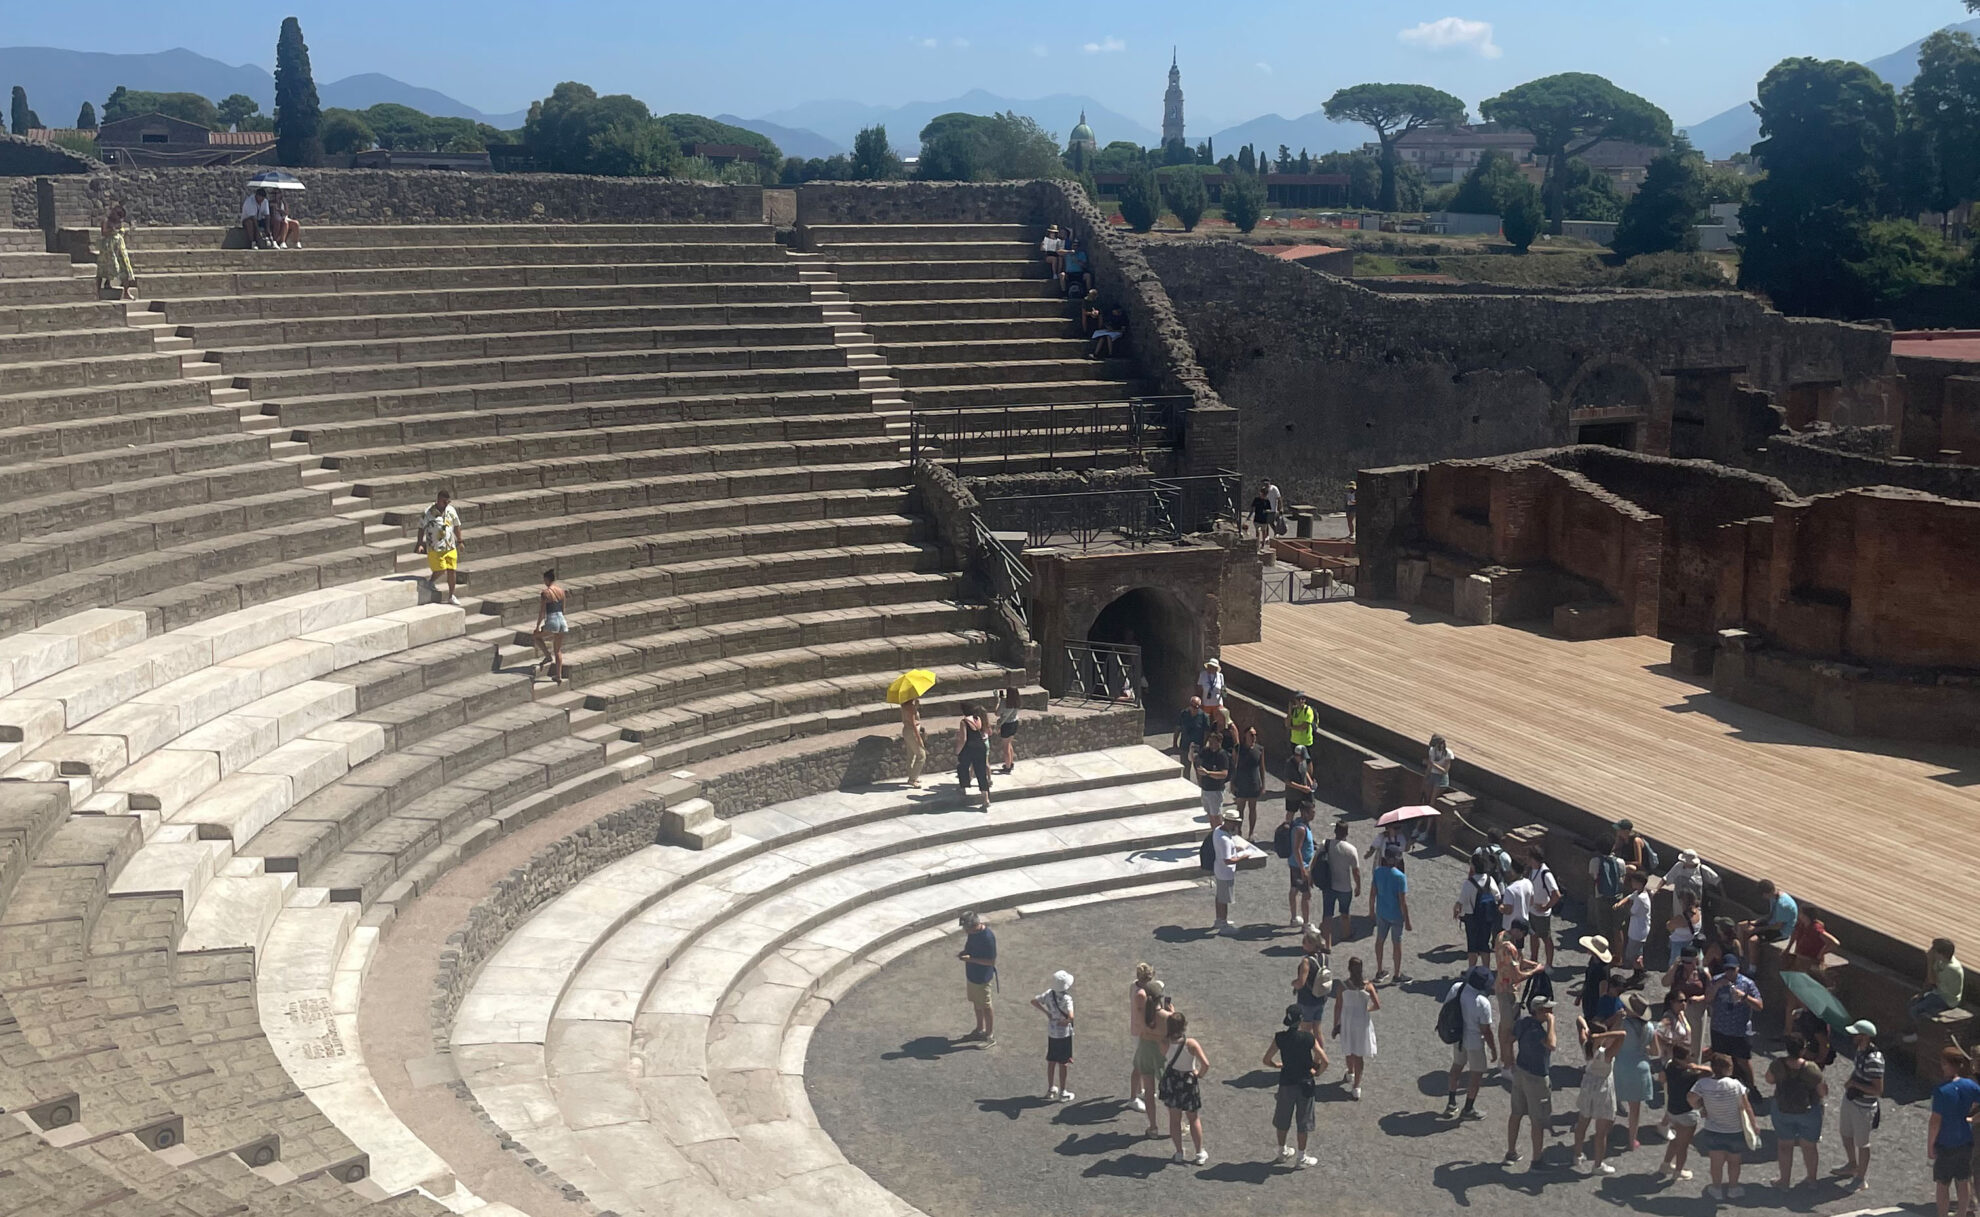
(1813, 994)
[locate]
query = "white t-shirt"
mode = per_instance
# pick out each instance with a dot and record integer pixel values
(1058, 1013)
(1639, 917)
(1211, 686)
(1546, 890)
(1343, 864)
(1051, 245)
(253, 208)
(1478, 1015)
(1518, 897)
(1719, 1099)
(1272, 496)
(1223, 851)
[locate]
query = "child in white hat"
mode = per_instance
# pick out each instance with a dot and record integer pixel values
(1057, 1005)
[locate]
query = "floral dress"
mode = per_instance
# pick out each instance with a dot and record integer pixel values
(113, 260)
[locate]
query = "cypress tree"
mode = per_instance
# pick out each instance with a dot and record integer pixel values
(22, 116)
(298, 113)
(86, 118)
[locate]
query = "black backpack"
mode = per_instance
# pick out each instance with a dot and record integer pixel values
(1206, 857)
(1651, 863)
(1494, 861)
(1450, 1018)
(1282, 840)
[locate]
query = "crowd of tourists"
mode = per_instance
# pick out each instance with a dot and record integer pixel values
(1676, 1070)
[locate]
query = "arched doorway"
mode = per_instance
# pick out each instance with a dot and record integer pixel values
(1609, 400)
(1158, 623)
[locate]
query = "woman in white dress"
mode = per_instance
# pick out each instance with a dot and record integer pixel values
(1354, 1031)
(1598, 1098)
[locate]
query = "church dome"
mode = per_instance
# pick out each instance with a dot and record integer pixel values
(1083, 134)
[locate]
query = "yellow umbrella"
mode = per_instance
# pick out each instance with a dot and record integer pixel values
(910, 685)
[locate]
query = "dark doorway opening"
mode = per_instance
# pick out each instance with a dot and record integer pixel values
(1609, 435)
(1156, 622)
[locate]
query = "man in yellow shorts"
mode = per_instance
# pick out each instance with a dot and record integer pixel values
(440, 541)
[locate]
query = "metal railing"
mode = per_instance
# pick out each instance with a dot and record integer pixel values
(1200, 502)
(1160, 510)
(1011, 576)
(1103, 672)
(1294, 586)
(992, 439)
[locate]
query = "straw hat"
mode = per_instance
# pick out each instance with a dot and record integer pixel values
(1598, 946)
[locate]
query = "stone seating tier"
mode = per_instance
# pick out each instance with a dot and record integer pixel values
(322, 258)
(358, 236)
(390, 304)
(744, 322)
(643, 1036)
(175, 284)
(723, 344)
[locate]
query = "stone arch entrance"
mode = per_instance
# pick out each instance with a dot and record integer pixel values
(1156, 621)
(1610, 400)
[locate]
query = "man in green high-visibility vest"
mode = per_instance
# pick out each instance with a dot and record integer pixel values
(1299, 722)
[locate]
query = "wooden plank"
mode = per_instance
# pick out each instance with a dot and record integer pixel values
(1881, 832)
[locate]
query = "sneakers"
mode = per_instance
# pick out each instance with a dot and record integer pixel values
(1734, 1191)
(1471, 1113)
(1401, 979)
(1052, 1095)
(1713, 1192)
(1226, 930)
(1306, 1160)
(1178, 1157)
(1202, 1156)
(1139, 1105)
(1684, 1176)
(1285, 1153)
(1605, 1168)
(1451, 1109)
(1380, 977)
(1066, 1096)
(1511, 1159)
(1356, 1092)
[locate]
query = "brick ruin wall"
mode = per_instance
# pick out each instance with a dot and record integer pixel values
(1330, 378)
(368, 196)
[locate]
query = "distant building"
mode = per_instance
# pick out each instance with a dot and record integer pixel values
(725, 154)
(1447, 154)
(400, 158)
(1302, 191)
(159, 140)
(1082, 137)
(1172, 106)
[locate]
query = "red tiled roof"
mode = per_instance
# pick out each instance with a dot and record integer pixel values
(1293, 253)
(241, 139)
(43, 135)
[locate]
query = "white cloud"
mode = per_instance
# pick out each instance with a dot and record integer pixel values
(1264, 67)
(1453, 34)
(926, 44)
(1040, 50)
(959, 42)
(1109, 45)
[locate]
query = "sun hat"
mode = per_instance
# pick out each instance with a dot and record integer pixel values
(1155, 988)
(1062, 980)
(1231, 813)
(1688, 856)
(1537, 1004)
(1598, 946)
(1211, 663)
(1637, 1007)
(1479, 977)
(1862, 1026)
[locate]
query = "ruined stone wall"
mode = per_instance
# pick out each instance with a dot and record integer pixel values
(20, 157)
(1880, 576)
(1330, 378)
(918, 203)
(387, 196)
(1813, 468)
(1696, 500)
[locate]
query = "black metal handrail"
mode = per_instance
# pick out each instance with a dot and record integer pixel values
(1083, 517)
(1202, 501)
(992, 438)
(1103, 672)
(1005, 568)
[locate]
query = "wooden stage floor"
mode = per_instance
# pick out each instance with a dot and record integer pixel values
(1883, 833)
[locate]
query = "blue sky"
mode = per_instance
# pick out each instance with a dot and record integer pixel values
(1239, 61)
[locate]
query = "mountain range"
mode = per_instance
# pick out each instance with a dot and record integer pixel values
(838, 121)
(1738, 129)
(59, 81)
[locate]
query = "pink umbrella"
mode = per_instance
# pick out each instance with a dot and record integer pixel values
(1402, 815)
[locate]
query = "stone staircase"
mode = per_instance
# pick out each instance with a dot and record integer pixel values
(962, 317)
(643, 1035)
